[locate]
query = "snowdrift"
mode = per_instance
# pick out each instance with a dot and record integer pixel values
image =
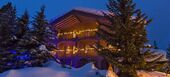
(53, 69)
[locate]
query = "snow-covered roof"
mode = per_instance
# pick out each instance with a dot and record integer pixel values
(84, 10)
(92, 11)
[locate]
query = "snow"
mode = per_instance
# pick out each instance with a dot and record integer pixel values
(162, 52)
(43, 48)
(92, 11)
(52, 69)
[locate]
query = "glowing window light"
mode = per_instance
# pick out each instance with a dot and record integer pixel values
(68, 50)
(75, 33)
(74, 50)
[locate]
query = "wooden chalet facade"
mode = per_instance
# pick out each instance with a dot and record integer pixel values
(76, 34)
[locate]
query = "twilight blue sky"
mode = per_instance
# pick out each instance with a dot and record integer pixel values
(159, 10)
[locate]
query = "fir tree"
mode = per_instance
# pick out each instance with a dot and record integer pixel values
(7, 36)
(42, 30)
(126, 32)
(7, 26)
(39, 39)
(21, 31)
(22, 25)
(155, 45)
(40, 25)
(167, 70)
(19, 45)
(168, 53)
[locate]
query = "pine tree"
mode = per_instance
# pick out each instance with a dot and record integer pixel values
(40, 25)
(22, 25)
(167, 70)
(7, 25)
(42, 30)
(125, 31)
(31, 42)
(21, 31)
(7, 36)
(168, 53)
(40, 35)
(155, 45)
(19, 45)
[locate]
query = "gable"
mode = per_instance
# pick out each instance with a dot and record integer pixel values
(77, 17)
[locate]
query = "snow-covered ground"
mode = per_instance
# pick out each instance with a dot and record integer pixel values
(53, 69)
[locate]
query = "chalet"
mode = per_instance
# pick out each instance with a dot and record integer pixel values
(76, 34)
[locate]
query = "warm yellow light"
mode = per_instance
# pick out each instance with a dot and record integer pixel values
(68, 50)
(74, 50)
(75, 33)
